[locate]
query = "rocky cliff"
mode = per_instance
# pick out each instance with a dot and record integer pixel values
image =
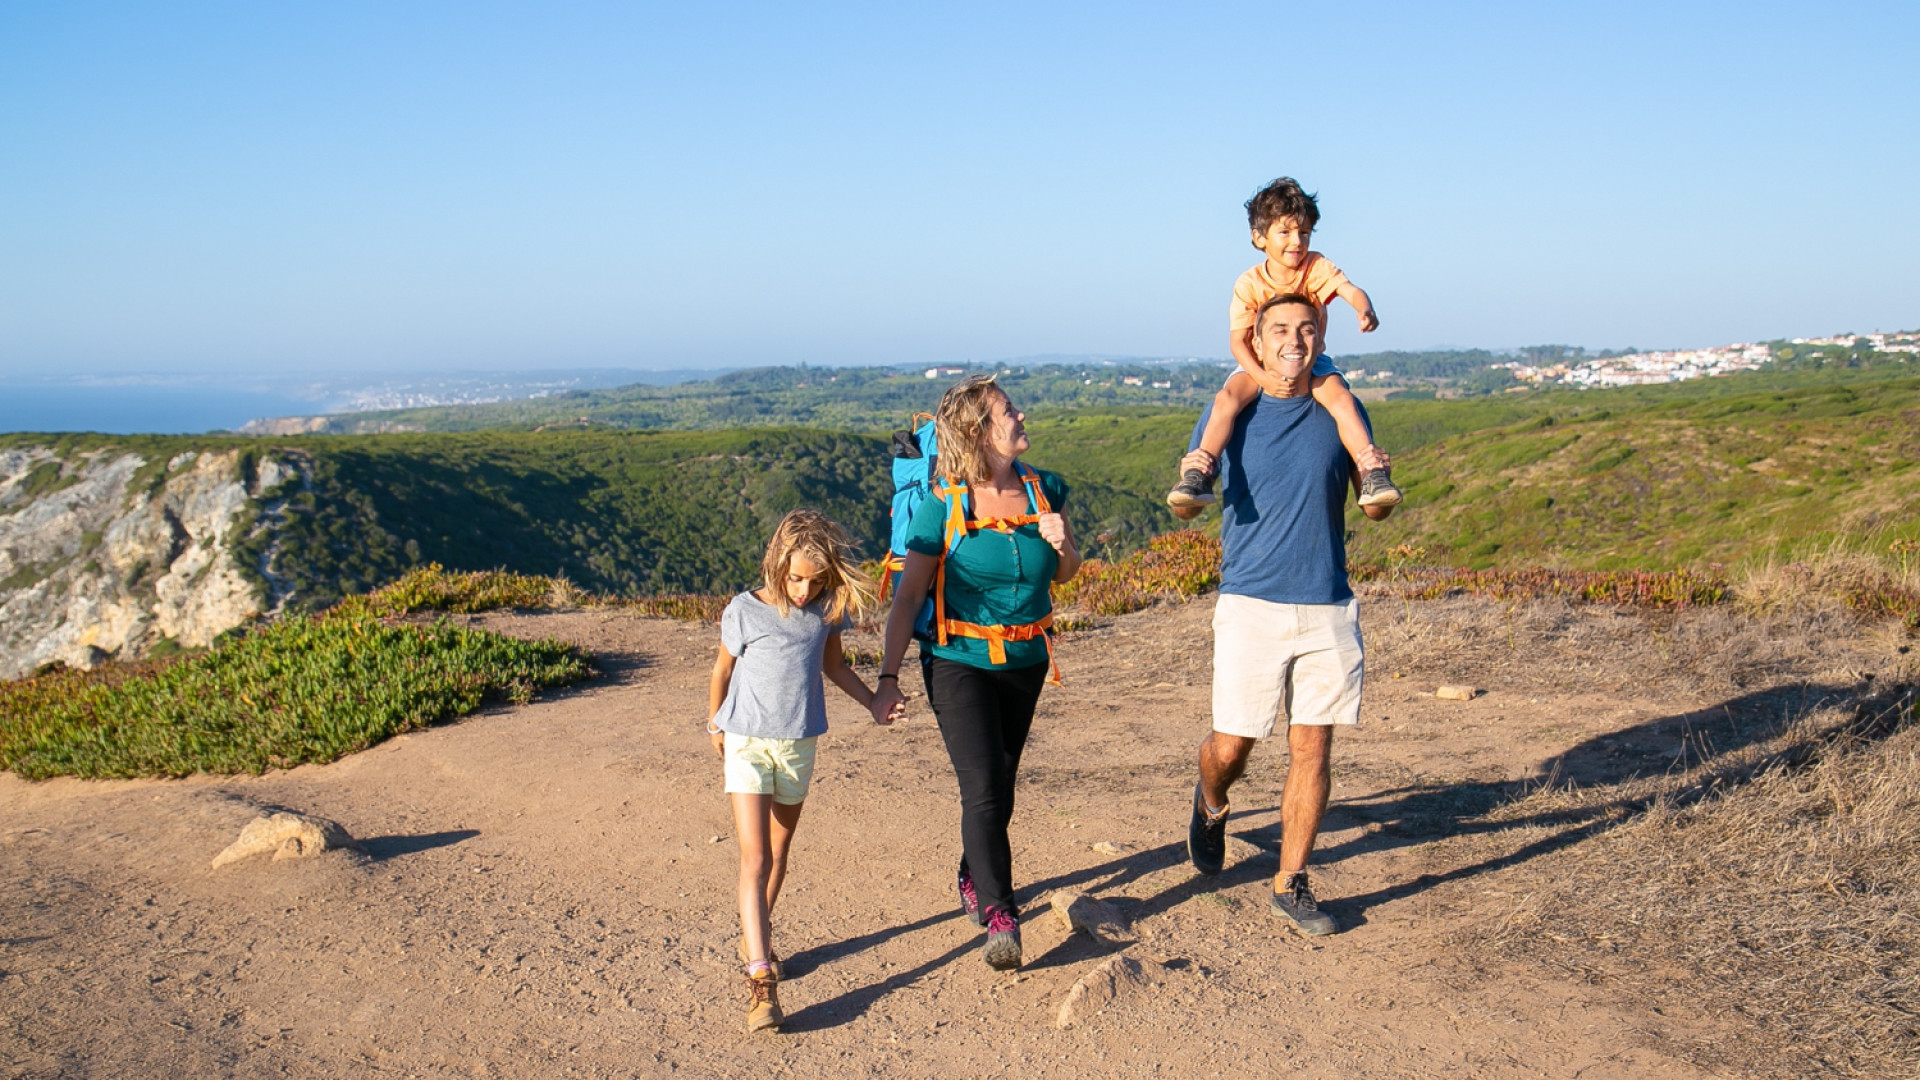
(113, 553)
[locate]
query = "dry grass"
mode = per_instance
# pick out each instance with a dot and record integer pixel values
(1778, 883)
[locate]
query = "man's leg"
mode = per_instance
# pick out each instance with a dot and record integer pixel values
(1304, 803)
(1223, 758)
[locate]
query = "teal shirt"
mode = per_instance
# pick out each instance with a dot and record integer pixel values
(993, 578)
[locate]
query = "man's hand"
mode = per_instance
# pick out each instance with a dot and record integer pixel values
(1369, 322)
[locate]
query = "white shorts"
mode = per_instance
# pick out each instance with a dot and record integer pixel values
(782, 768)
(1300, 662)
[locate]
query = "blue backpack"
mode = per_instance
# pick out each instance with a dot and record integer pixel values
(916, 466)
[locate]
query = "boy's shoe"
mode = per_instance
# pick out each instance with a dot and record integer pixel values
(969, 900)
(1376, 489)
(763, 1009)
(773, 959)
(1207, 836)
(1002, 951)
(1194, 489)
(1295, 903)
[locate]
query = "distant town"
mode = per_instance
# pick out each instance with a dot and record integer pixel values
(1639, 369)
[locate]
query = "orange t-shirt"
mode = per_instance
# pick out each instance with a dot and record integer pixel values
(1318, 280)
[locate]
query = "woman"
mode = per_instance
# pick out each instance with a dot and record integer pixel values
(988, 543)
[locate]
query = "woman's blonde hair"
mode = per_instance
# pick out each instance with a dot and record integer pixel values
(960, 426)
(846, 593)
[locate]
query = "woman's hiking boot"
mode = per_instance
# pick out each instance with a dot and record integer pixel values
(1207, 836)
(763, 1008)
(1294, 902)
(1376, 489)
(1002, 951)
(969, 900)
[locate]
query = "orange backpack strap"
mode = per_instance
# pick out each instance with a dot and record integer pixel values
(959, 526)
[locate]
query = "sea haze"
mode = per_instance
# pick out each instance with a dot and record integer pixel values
(192, 405)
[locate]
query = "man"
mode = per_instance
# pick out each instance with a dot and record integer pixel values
(1286, 627)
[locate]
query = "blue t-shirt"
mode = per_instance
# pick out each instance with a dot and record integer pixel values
(1283, 498)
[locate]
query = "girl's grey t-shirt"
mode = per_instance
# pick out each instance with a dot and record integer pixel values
(777, 691)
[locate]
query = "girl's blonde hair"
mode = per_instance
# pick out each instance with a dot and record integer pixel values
(847, 594)
(960, 427)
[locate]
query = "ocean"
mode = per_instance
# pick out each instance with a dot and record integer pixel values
(140, 408)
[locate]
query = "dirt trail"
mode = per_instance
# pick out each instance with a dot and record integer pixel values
(547, 891)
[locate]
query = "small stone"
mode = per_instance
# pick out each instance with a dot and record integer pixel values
(715, 839)
(288, 836)
(1118, 974)
(1108, 847)
(1095, 918)
(1456, 693)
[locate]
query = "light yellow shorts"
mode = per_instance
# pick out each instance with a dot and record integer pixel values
(782, 768)
(1300, 662)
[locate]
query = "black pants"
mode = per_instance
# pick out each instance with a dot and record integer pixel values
(984, 716)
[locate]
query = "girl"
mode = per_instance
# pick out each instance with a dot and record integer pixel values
(768, 705)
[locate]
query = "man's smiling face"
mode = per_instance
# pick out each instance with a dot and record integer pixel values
(1287, 338)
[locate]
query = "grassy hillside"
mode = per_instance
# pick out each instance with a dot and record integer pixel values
(1646, 478)
(1723, 470)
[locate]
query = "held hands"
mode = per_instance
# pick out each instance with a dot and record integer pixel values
(888, 704)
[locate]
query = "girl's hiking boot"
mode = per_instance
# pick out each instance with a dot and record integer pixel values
(1002, 951)
(1194, 489)
(1376, 489)
(1294, 902)
(773, 960)
(763, 1007)
(969, 900)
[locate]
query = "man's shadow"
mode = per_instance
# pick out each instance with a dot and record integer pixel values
(1709, 740)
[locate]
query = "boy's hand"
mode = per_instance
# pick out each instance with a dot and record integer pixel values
(719, 740)
(1274, 383)
(1369, 322)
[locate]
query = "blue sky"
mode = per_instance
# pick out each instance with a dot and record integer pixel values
(382, 187)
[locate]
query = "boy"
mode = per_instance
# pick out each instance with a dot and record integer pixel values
(1282, 217)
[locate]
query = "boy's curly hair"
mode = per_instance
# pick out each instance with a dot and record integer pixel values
(1281, 199)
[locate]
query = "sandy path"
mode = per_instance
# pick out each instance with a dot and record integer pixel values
(547, 891)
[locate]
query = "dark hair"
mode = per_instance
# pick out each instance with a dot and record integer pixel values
(1281, 199)
(1284, 298)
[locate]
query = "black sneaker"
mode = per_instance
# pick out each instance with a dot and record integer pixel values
(1194, 489)
(1002, 950)
(1207, 836)
(1294, 902)
(1376, 489)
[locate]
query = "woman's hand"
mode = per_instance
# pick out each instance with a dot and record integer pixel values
(719, 741)
(1053, 529)
(888, 704)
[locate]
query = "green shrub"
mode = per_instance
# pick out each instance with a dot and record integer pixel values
(302, 690)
